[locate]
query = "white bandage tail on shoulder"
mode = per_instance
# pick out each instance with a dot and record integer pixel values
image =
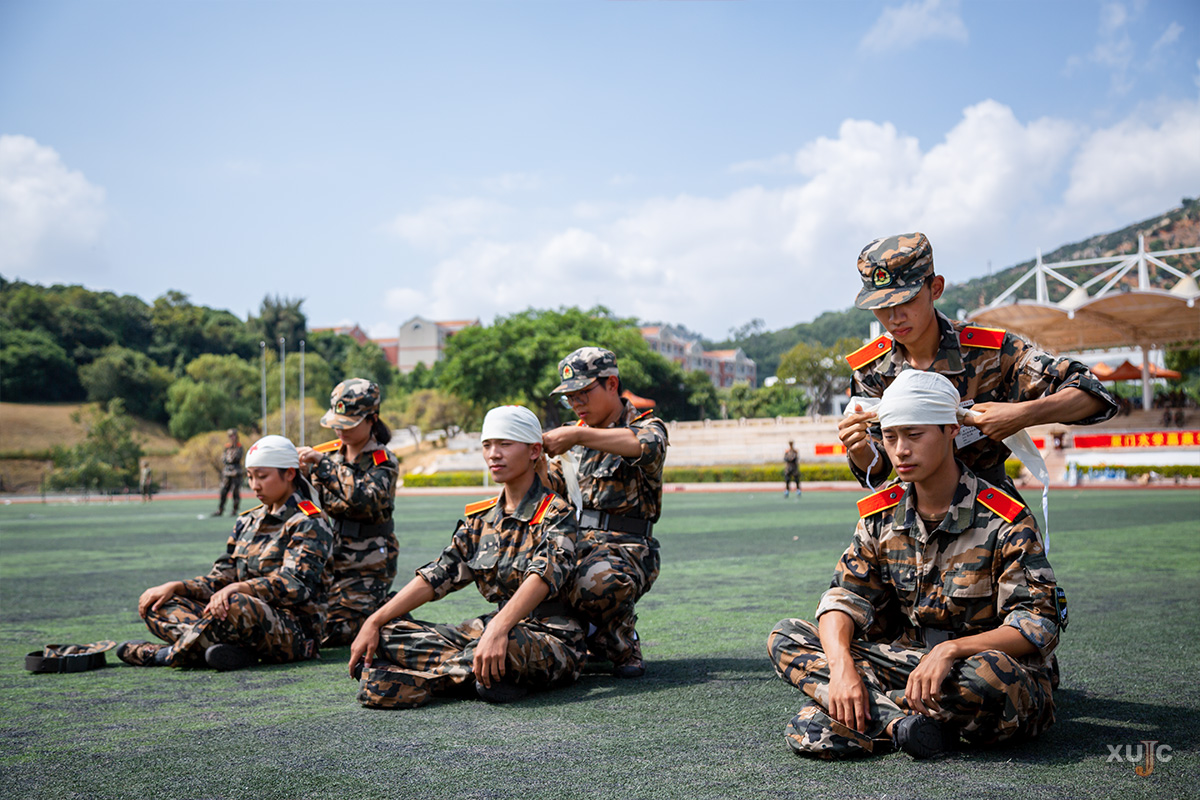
(1026, 451)
(865, 404)
(570, 472)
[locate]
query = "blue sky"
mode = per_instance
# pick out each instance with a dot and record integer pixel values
(702, 163)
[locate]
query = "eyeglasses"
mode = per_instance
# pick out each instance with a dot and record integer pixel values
(578, 398)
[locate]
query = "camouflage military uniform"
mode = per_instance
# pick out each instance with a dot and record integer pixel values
(231, 476)
(1000, 368)
(285, 559)
(906, 586)
(616, 568)
(359, 498)
(497, 551)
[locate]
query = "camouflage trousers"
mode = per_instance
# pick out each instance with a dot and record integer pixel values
(363, 571)
(613, 571)
(270, 633)
(419, 659)
(230, 483)
(988, 698)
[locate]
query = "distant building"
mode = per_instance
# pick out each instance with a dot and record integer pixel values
(723, 367)
(422, 341)
(353, 331)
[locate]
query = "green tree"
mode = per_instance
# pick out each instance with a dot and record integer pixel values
(349, 359)
(35, 369)
(317, 381)
(822, 370)
(132, 376)
(431, 410)
(183, 332)
(218, 392)
(106, 459)
(702, 395)
(281, 316)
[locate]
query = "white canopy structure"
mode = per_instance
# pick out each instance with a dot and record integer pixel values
(1117, 315)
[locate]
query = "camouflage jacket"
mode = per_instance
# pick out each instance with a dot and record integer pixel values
(1014, 372)
(363, 491)
(973, 573)
(498, 550)
(619, 485)
(285, 559)
(231, 461)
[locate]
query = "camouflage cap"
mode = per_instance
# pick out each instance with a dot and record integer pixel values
(893, 270)
(350, 402)
(580, 368)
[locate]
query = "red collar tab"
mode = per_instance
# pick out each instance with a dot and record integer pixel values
(974, 336)
(1000, 503)
(379, 456)
(308, 508)
(870, 351)
(542, 508)
(882, 500)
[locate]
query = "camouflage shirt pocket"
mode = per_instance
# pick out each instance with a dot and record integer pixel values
(967, 584)
(486, 555)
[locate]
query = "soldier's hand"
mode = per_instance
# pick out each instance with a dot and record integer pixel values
(153, 598)
(924, 686)
(852, 430)
(491, 653)
(997, 421)
(218, 604)
(559, 440)
(362, 649)
(848, 700)
(308, 456)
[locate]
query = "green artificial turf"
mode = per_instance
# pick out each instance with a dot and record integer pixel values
(706, 721)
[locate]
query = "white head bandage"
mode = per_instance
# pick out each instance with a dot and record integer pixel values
(917, 397)
(514, 423)
(273, 451)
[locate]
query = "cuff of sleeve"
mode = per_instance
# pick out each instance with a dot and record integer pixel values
(196, 589)
(839, 599)
(260, 588)
(1041, 632)
(543, 571)
(437, 579)
(323, 469)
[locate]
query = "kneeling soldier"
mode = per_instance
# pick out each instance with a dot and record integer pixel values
(266, 597)
(943, 612)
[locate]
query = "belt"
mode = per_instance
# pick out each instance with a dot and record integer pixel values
(935, 636)
(351, 529)
(592, 519)
(68, 657)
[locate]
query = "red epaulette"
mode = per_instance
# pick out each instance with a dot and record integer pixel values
(329, 447)
(248, 510)
(579, 423)
(643, 415)
(1003, 505)
(882, 500)
(379, 456)
(308, 508)
(870, 352)
(975, 336)
(542, 508)
(472, 509)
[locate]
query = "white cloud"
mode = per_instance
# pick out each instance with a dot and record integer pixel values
(49, 214)
(1169, 37)
(990, 190)
(405, 301)
(513, 182)
(446, 220)
(904, 27)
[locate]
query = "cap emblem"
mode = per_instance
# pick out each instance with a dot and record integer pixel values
(881, 278)
(340, 408)
(567, 372)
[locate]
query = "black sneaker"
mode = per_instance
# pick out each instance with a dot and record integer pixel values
(226, 657)
(632, 665)
(919, 736)
(500, 692)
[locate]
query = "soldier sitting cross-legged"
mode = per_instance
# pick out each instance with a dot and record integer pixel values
(943, 613)
(266, 597)
(519, 550)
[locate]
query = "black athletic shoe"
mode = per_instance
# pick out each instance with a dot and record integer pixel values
(226, 657)
(500, 692)
(632, 666)
(919, 736)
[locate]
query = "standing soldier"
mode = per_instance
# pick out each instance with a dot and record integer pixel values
(146, 482)
(265, 598)
(621, 454)
(791, 470)
(355, 478)
(231, 473)
(1009, 382)
(943, 613)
